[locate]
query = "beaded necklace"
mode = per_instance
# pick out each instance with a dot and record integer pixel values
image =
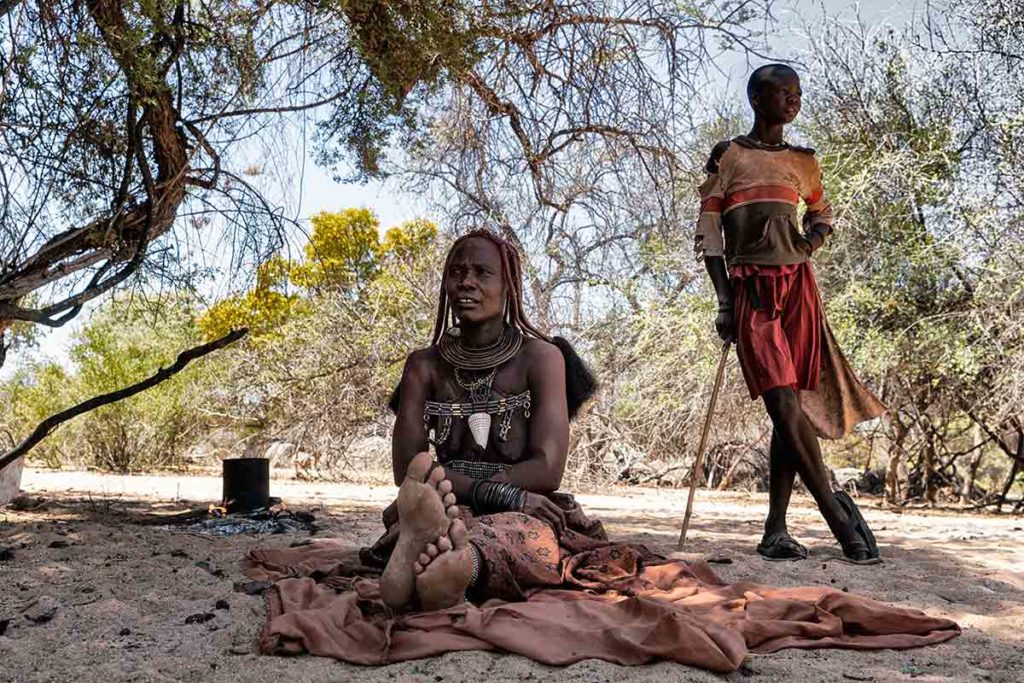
(463, 357)
(480, 407)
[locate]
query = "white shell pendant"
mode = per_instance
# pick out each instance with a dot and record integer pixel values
(480, 427)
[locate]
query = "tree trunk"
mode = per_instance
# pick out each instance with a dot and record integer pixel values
(967, 492)
(1017, 460)
(928, 463)
(892, 484)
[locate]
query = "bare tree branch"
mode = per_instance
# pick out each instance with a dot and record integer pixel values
(161, 375)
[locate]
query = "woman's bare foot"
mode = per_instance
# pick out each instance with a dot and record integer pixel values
(425, 501)
(444, 569)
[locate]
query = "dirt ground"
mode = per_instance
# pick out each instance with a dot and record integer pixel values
(123, 592)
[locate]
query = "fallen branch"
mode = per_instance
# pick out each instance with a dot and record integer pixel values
(57, 419)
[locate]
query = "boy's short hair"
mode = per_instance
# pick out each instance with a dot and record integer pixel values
(766, 74)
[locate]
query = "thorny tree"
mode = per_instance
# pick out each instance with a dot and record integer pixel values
(568, 134)
(123, 124)
(115, 114)
(922, 149)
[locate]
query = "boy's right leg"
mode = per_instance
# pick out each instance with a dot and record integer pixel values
(781, 477)
(777, 544)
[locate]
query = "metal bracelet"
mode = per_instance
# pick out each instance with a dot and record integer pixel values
(495, 496)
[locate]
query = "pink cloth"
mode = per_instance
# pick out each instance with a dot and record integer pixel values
(611, 605)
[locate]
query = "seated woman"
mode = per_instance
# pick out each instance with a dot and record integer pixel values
(485, 519)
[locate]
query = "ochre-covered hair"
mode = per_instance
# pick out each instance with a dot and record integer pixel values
(511, 271)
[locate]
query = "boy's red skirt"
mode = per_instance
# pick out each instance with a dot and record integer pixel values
(778, 326)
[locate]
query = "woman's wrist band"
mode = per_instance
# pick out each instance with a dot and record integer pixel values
(496, 496)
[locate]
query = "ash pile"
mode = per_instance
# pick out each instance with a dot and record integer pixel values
(276, 518)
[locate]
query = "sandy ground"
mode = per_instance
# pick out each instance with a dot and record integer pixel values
(123, 592)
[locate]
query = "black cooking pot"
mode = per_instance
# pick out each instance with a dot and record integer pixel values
(246, 484)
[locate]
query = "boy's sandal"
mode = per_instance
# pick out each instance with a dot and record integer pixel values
(781, 547)
(857, 525)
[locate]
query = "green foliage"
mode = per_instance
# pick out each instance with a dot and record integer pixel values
(344, 257)
(35, 392)
(322, 373)
(123, 343)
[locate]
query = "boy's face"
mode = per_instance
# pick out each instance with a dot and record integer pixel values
(779, 99)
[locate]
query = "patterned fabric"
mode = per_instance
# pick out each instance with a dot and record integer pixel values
(749, 203)
(519, 552)
(476, 469)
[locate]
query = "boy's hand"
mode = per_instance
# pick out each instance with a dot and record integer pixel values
(725, 324)
(815, 240)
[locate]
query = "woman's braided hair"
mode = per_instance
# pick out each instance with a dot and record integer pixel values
(512, 272)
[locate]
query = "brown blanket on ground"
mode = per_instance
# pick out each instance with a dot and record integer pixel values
(611, 606)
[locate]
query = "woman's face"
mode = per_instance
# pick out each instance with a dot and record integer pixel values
(474, 281)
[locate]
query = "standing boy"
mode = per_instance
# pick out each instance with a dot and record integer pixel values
(758, 257)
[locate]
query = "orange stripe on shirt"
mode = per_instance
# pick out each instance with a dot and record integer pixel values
(815, 197)
(711, 205)
(762, 193)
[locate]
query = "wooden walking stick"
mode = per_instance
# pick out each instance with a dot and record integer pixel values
(695, 478)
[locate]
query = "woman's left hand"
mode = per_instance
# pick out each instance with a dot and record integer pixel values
(543, 509)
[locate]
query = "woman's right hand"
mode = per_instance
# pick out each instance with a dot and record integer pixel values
(543, 509)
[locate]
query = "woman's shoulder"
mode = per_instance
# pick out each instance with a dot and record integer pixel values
(541, 354)
(422, 361)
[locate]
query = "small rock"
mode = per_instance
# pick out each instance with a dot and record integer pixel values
(6, 554)
(719, 559)
(747, 670)
(203, 564)
(124, 632)
(59, 544)
(41, 610)
(25, 502)
(178, 552)
(239, 650)
(222, 604)
(302, 516)
(199, 618)
(252, 587)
